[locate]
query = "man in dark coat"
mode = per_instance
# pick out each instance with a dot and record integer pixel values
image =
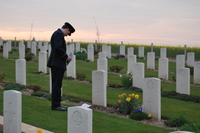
(57, 63)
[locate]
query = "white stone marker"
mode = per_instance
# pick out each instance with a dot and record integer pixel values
(190, 59)
(180, 61)
(152, 97)
(5, 50)
(104, 48)
(109, 53)
(12, 107)
(102, 55)
(151, 60)
(21, 51)
(163, 52)
(90, 53)
(9, 45)
(78, 48)
(141, 52)
(79, 120)
(122, 49)
(33, 48)
(99, 94)
(197, 72)
(20, 71)
(29, 44)
(40, 45)
(163, 68)
(71, 68)
(130, 51)
(138, 75)
(131, 61)
(102, 64)
(42, 65)
(183, 81)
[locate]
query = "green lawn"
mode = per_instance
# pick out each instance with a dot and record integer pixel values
(37, 111)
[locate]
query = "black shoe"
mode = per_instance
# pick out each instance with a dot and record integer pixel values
(60, 108)
(64, 107)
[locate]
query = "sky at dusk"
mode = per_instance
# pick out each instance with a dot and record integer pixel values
(162, 22)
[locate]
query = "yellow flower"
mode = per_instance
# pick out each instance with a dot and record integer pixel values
(123, 94)
(39, 131)
(137, 96)
(133, 95)
(119, 96)
(118, 101)
(149, 115)
(128, 99)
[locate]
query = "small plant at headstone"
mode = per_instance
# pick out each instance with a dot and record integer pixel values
(176, 122)
(27, 50)
(38, 94)
(29, 56)
(116, 68)
(80, 76)
(35, 88)
(48, 96)
(174, 78)
(138, 116)
(128, 103)
(2, 76)
(116, 57)
(14, 86)
(191, 69)
(193, 127)
(126, 81)
(121, 56)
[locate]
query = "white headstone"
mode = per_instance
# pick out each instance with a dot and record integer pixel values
(99, 95)
(102, 55)
(79, 120)
(20, 71)
(42, 65)
(138, 75)
(122, 49)
(21, 51)
(131, 61)
(40, 45)
(5, 50)
(152, 97)
(33, 48)
(190, 59)
(163, 68)
(183, 81)
(163, 52)
(109, 53)
(29, 44)
(141, 52)
(71, 68)
(90, 53)
(102, 64)
(9, 45)
(78, 48)
(197, 72)
(12, 107)
(151, 60)
(130, 51)
(180, 61)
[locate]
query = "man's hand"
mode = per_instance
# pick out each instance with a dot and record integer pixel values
(69, 58)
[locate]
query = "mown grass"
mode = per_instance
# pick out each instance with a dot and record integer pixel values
(40, 115)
